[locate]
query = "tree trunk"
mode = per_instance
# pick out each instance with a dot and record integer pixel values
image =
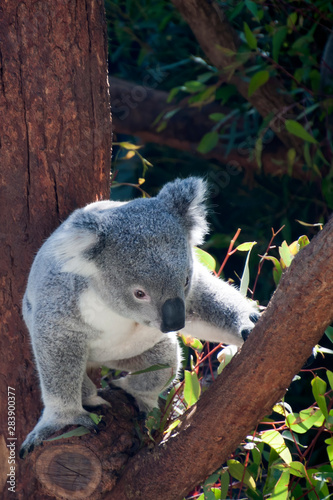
(55, 144)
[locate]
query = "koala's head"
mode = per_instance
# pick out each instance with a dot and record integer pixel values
(143, 252)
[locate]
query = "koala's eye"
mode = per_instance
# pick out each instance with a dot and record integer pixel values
(187, 281)
(139, 294)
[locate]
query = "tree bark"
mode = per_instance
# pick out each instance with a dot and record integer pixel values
(135, 109)
(55, 143)
(250, 385)
(212, 30)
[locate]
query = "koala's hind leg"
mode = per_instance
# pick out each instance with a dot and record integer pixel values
(61, 367)
(146, 387)
(89, 394)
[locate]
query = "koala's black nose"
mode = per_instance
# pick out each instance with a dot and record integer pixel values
(173, 315)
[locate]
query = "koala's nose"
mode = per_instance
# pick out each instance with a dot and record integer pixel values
(173, 315)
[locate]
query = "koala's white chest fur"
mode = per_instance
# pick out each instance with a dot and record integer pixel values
(119, 338)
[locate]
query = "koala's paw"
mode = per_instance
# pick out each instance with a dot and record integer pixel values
(45, 428)
(248, 327)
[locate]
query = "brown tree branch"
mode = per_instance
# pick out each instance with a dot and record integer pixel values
(293, 323)
(212, 30)
(136, 107)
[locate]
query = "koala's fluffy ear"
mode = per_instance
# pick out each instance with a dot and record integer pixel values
(77, 242)
(186, 199)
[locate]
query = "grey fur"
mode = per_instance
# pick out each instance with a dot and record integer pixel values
(84, 304)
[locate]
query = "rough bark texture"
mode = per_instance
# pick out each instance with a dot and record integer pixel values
(89, 466)
(55, 142)
(212, 30)
(136, 107)
(293, 323)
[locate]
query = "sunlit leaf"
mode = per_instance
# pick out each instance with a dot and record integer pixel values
(275, 440)
(192, 388)
(280, 491)
(285, 254)
(236, 469)
(245, 247)
(129, 145)
(318, 390)
(303, 421)
(244, 284)
(329, 375)
(192, 342)
(205, 258)
(303, 241)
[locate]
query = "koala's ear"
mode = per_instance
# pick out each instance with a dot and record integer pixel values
(77, 242)
(186, 199)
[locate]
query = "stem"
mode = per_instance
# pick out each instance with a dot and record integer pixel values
(229, 252)
(261, 263)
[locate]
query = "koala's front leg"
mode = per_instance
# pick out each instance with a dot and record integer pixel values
(216, 311)
(61, 366)
(146, 387)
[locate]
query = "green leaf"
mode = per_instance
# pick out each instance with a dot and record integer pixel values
(303, 421)
(236, 469)
(250, 38)
(205, 258)
(297, 129)
(173, 92)
(244, 284)
(275, 440)
(258, 147)
(129, 145)
(246, 247)
(225, 356)
(225, 479)
(285, 254)
(252, 6)
(297, 469)
(329, 450)
(208, 142)
(217, 116)
(193, 86)
(329, 333)
(258, 79)
(303, 241)
(280, 491)
(192, 388)
(318, 390)
(291, 21)
(277, 41)
(330, 378)
(79, 431)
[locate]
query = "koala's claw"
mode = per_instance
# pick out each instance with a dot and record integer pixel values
(24, 451)
(254, 317)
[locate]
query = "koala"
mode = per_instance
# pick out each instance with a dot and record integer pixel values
(112, 286)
